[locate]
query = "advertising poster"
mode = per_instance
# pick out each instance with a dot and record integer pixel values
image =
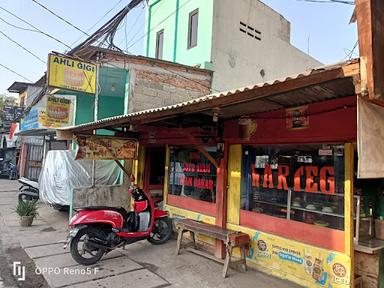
(31, 119)
(59, 111)
(314, 267)
(52, 111)
(105, 148)
(71, 74)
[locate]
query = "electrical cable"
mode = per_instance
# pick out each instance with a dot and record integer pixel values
(42, 32)
(106, 33)
(161, 22)
(18, 27)
(61, 18)
(350, 55)
(343, 107)
(98, 21)
(330, 1)
(13, 71)
(131, 28)
(22, 47)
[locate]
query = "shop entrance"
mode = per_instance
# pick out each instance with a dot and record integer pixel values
(155, 172)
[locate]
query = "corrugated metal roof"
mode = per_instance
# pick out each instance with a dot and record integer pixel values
(312, 77)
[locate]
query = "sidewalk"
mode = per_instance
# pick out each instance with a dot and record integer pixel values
(141, 265)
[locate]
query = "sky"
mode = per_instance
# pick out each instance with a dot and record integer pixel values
(321, 29)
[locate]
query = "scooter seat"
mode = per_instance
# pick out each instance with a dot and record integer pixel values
(120, 210)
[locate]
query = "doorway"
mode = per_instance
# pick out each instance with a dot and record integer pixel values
(155, 172)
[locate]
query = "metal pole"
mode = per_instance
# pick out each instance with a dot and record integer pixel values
(289, 204)
(95, 110)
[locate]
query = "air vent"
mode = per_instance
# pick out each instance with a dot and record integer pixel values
(250, 31)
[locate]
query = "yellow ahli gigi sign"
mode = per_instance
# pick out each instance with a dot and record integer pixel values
(68, 73)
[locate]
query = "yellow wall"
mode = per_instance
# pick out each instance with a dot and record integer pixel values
(178, 213)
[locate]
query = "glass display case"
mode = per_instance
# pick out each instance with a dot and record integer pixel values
(302, 183)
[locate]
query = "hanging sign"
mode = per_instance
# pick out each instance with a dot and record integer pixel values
(59, 111)
(71, 74)
(105, 148)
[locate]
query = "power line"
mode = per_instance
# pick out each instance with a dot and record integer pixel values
(18, 27)
(352, 51)
(42, 32)
(170, 71)
(14, 72)
(61, 18)
(22, 47)
(131, 28)
(330, 1)
(161, 22)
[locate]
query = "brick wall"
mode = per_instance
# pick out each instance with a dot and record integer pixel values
(155, 87)
(156, 83)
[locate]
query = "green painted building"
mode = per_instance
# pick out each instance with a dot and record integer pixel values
(175, 27)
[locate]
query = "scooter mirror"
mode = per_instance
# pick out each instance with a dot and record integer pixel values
(133, 179)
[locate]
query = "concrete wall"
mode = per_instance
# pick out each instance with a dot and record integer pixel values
(236, 58)
(113, 196)
(239, 59)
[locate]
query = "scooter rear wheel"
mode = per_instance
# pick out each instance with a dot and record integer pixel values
(78, 253)
(161, 232)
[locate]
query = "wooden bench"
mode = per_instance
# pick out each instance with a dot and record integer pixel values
(230, 238)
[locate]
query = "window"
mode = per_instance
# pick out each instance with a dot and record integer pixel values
(302, 183)
(192, 29)
(159, 44)
(250, 31)
(192, 174)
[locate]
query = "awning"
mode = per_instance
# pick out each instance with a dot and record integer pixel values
(323, 83)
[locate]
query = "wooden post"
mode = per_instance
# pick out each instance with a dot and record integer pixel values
(234, 183)
(349, 206)
(221, 203)
(140, 172)
(166, 174)
(370, 23)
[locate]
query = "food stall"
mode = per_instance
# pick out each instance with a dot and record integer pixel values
(277, 161)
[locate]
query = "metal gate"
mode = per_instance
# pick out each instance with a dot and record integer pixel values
(35, 155)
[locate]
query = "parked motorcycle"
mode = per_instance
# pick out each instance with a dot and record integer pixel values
(99, 230)
(29, 189)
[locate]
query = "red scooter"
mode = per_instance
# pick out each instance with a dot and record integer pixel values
(99, 230)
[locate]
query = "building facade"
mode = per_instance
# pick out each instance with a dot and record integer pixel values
(245, 38)
(126, 84)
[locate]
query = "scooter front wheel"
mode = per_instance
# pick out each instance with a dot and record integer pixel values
(162, 231)
(84, 253)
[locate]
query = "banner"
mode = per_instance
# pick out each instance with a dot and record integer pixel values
(105, 148)
(52, 111)
(71, 74)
